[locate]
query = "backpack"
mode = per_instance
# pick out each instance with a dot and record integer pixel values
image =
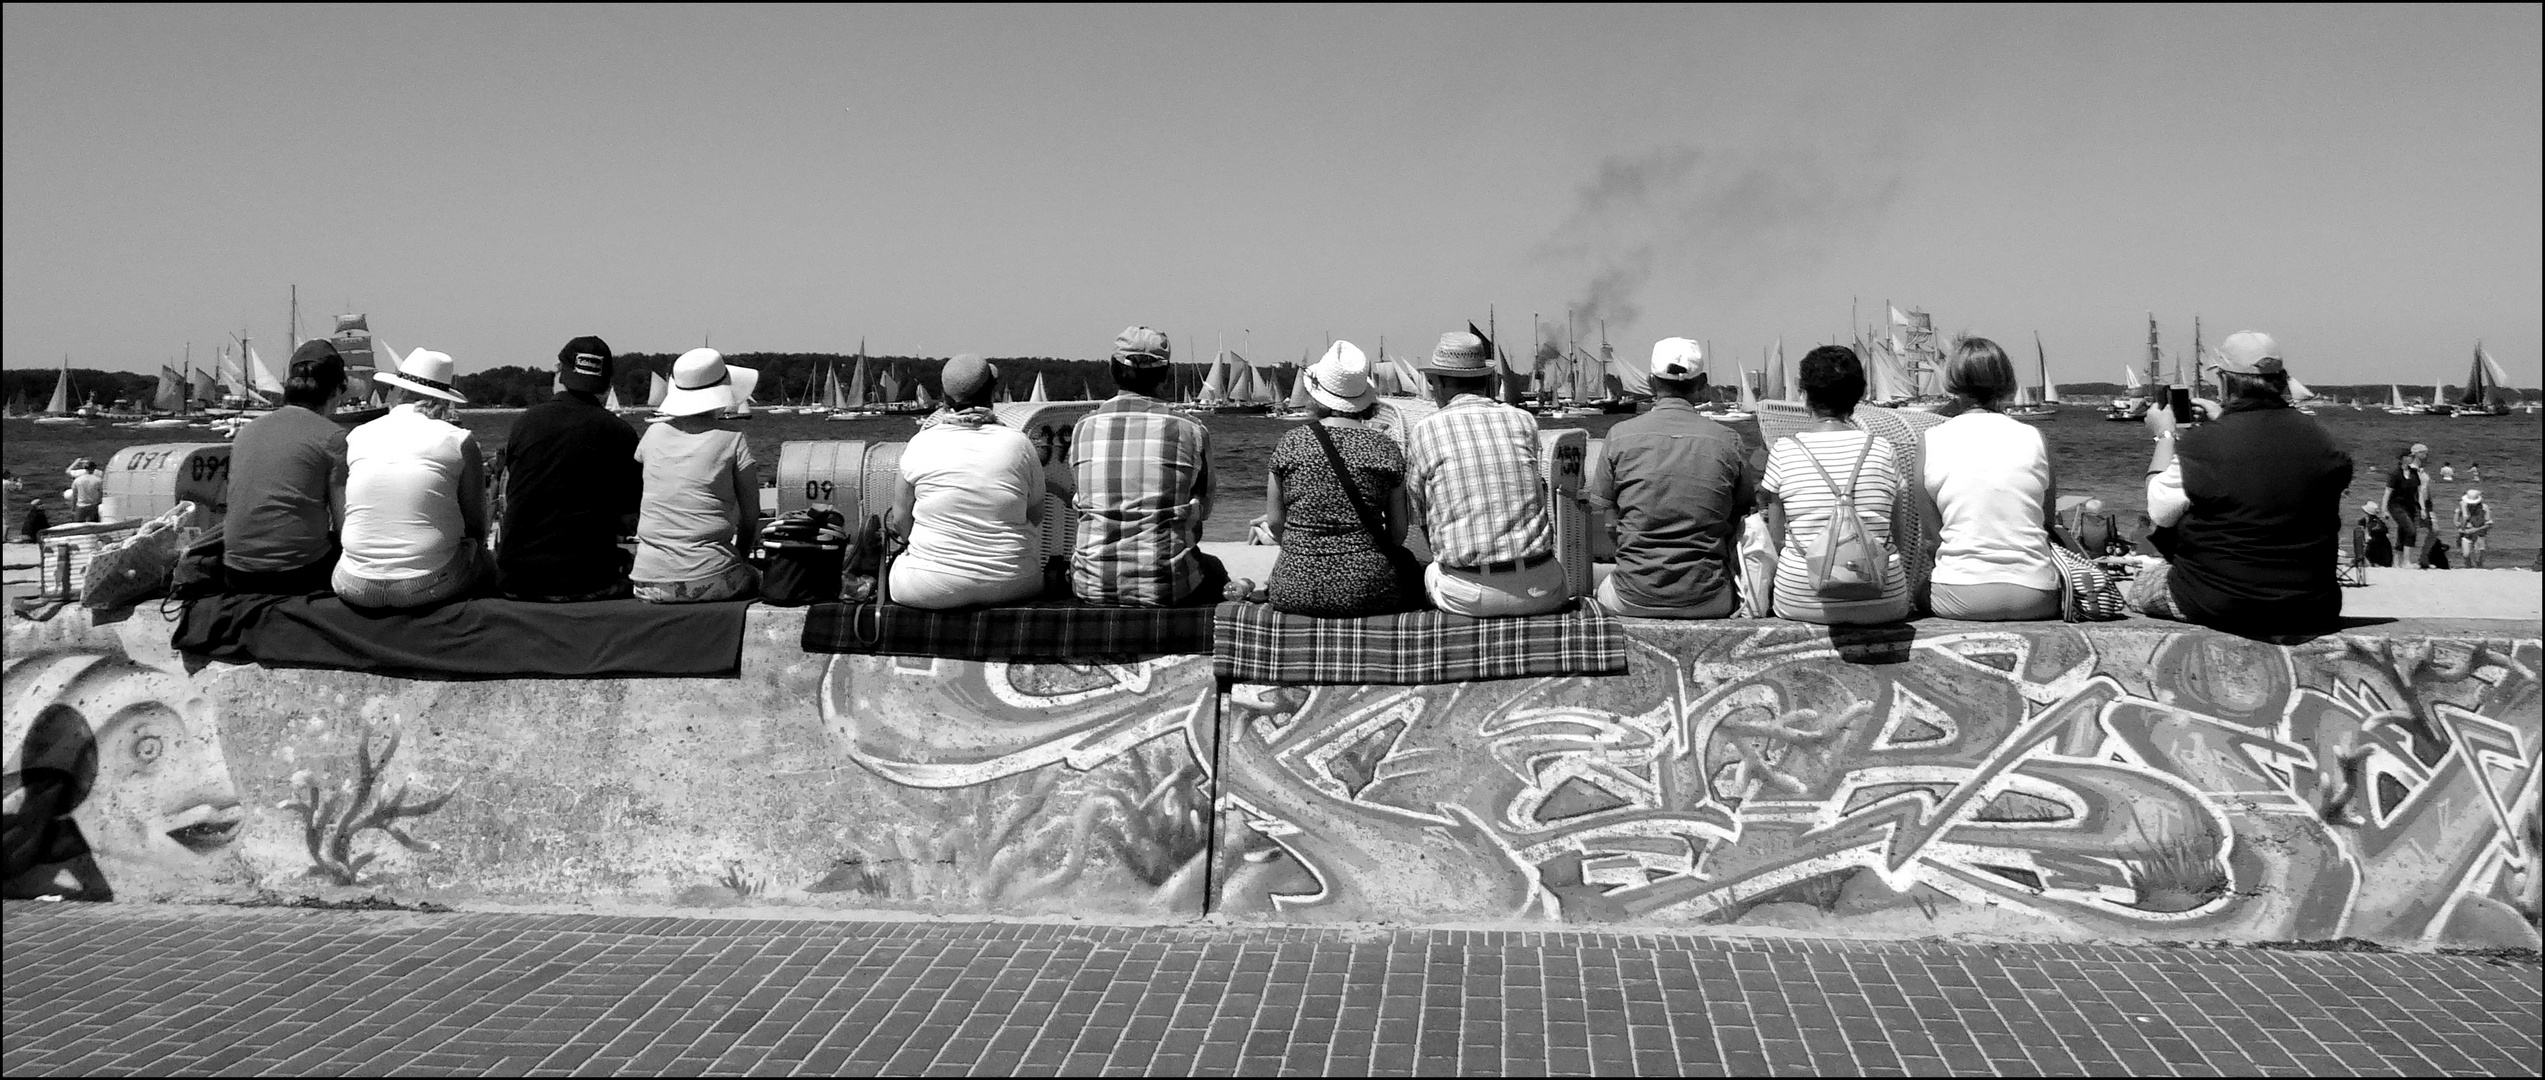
(1843, 561)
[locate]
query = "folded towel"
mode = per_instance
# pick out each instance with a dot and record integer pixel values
(491, 638)
(1257, 644)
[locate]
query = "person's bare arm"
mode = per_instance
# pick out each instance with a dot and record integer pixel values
(1400, 513)
(1276, 508)
(1774, 508)
(905, 508)
(746, 499)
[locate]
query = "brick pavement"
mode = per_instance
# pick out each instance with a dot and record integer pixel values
(111, 989)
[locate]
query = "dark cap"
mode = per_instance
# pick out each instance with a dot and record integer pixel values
(317, 348)
(584, 365)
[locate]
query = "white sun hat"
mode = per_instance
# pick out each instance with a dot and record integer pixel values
(425, 372)
(1340, 380)
(703, 383)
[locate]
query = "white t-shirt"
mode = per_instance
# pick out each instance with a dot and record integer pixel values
(1809, 502)
(402, 495)
(970, 489)
(690, 519)
(1987, 474)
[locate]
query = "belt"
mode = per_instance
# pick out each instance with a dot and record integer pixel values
(1508, 565)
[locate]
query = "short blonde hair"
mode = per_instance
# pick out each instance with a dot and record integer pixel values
(1980, 371)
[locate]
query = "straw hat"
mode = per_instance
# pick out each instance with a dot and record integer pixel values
(1460, 354)
(425, 372)
(1340, 380)
(2473, 497)
(703, 383)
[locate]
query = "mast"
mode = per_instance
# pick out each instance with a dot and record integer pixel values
(2200, 355)
(2155, 361)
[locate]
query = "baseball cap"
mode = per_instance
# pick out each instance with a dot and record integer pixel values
(1142, 346)
(1678, 359)
(584, 365)
(2249, 352)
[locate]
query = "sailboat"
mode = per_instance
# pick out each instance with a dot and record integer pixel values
(2486, 387)
(58, 411)
(2438, 404)
(2037, 402)
(1748, 408)
(1042, 390)
(2395, 405)
(854, 401)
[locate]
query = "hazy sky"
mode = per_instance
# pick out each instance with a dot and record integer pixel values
(489, 181)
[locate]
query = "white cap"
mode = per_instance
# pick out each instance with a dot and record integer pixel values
(1678, 359)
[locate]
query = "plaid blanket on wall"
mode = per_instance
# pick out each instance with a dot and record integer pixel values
(1256, 644)
(1040, 632)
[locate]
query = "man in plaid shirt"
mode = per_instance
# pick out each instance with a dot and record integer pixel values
(1472, 469)
(1144, 489)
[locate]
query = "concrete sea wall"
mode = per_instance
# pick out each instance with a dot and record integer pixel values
(2128, 780)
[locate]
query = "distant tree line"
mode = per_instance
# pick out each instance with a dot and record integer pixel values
(32, 388)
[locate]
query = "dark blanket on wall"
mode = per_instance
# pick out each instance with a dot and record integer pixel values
(1056, 631)
(472, 638)
(1256, 644)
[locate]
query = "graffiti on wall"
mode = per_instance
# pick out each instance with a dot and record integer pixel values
(116, 784)
(2185, 784)
(1026, 781)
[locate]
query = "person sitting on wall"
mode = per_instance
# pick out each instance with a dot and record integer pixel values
(2253, 504)
(1677, 483)
(1992, 494)
(571, 488)
(1332, 564)
(701, 508)
(971, 502)
(1144, 489)
(87, 493)
(1806, 475)
(1472, 470)
(287, 484)
(415, 496)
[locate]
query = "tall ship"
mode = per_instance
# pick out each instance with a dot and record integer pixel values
(1905, 367)
(2487, 387)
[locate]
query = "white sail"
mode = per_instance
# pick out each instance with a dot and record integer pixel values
(1749, 395)
(2299, 391)
(261, 378)
(1214, 389)
(612, 402)
(2049, 390)
(2396, 400)
(171, 396)
(61, 403)
(656, 389)
(2132, 374)
(1041, 392)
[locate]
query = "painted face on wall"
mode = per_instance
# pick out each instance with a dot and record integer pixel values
(131, 756)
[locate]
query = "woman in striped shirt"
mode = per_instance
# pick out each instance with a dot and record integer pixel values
(1800, 502)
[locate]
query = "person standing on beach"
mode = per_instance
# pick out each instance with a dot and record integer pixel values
(1677, 483)
(2408, 503)
(571, 488)
(2251, 503)
(1143, 472)
(2474, 528)
(1472, 470)
(87, 492)
(287, 484)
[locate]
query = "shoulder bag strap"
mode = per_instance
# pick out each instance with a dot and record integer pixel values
(1351, 490)
(1847, 495)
